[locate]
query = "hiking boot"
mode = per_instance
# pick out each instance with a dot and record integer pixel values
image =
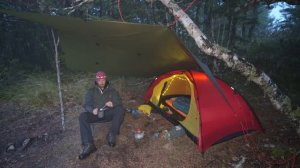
(111, 139)
(87, 150)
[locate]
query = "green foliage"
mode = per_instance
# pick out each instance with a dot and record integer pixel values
(75, 85)
(41, 89)
(32, 90)
(277, 152)
(24, 46)
(296, 113)
(8, 67)
(279, 59)
(280, 153)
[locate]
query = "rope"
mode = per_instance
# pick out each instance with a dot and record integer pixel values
(177, 17)
(120, 10)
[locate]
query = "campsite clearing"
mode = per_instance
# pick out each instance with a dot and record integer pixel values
(50, 147)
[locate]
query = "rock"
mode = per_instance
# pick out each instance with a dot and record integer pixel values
(26, 142)
(45, 136)
(155, 135)
(240, 163)
(269, 146)
(10, 147)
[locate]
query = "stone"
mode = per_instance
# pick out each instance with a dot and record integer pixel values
(10, 147)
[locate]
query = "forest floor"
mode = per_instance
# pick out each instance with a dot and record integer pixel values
(51, 147)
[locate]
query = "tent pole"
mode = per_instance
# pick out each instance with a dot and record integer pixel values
(56, 43)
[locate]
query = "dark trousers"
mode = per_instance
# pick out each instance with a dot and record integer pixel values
(116, 115)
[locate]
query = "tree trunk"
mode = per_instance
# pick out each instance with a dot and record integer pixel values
(229, 30)
(219, 30)
(223, 33)
(101, 6)
(232, 31)
(278, 99)
(212, 29)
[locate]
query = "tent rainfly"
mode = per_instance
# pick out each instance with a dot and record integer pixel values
(192, 100)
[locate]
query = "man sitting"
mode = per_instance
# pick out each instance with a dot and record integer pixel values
(102, 103)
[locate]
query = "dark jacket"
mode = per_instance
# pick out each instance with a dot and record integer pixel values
(96, 98)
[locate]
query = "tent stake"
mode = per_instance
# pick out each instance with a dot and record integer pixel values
(56, 43)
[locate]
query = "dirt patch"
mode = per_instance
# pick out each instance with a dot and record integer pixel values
(51, 147)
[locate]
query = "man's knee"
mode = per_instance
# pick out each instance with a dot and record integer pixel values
(119, 111)
(83, 117)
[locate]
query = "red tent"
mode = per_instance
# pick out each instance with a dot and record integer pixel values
(208, 114)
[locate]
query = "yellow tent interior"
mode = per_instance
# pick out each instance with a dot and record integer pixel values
(179, 84)
(119, 48)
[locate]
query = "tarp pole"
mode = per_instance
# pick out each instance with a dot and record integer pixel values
(56, 43)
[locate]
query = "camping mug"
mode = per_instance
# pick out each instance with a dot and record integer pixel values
(100, 113)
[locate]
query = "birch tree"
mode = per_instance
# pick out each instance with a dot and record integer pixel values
(280, 101)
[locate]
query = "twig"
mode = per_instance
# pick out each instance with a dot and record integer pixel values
(73, 8)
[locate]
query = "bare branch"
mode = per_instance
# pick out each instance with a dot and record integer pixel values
(56, 43)
(72, 9)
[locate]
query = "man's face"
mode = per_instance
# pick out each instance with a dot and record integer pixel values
(101, 83)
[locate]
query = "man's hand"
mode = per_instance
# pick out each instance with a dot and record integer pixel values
(95, 111)
(109, 104)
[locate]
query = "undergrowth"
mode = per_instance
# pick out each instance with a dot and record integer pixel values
(36, 89)
(41, 89)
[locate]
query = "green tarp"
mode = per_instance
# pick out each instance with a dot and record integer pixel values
(116, 47)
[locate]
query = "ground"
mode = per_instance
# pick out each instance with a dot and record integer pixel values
(51, 147)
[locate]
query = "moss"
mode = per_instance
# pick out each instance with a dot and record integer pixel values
(296, 113)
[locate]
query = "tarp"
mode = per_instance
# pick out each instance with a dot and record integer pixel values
(210, 118)
(116, 47)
